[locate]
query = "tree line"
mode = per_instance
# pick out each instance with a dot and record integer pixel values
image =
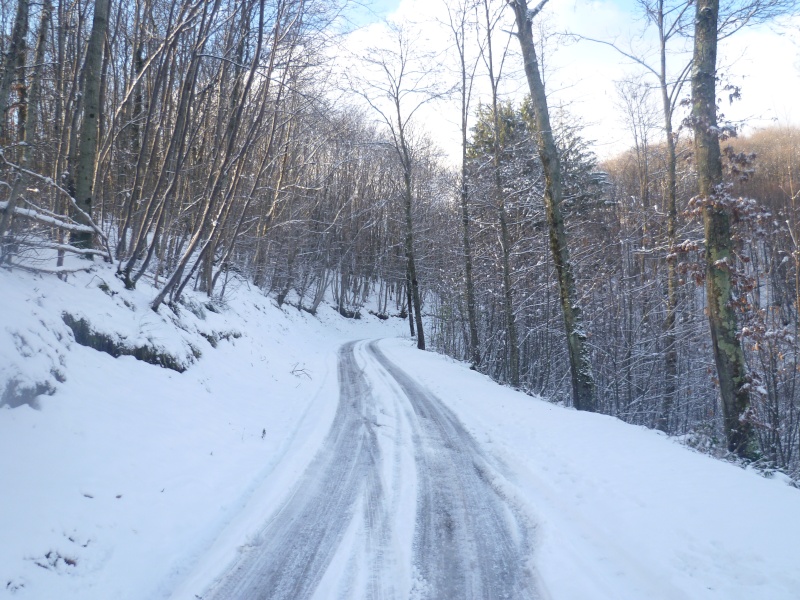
(190, 142)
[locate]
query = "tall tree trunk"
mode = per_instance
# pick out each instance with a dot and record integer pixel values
(406, 160)
(459, 34)
(87, 145)
(512, 342)
(11, 66)
(505, 240)
(412, 268)
(582, 380)
(31, 116)
(410, 305)
(728, 355)
(508, 290)
(472, 319)
(670, 337)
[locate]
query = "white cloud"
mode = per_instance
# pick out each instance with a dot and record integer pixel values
(764, 65)
(581, 76)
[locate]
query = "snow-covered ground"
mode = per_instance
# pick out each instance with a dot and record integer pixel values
(135, 481)
(623, 512)
(114, 486)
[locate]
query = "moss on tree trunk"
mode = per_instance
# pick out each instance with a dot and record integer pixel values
(728, 355)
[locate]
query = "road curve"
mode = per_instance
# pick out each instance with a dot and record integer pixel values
(468, 542)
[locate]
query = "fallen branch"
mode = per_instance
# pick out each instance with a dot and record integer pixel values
(63, 247)
(48, 270)
(90, 224)
(35, 215)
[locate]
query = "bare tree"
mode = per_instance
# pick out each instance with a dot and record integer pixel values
(92, 112)
(219, 186)
(31, 115)
(402, 84)
(580, 368)
(458, 21)
(13, 66)
(490, 21)
(671, 23)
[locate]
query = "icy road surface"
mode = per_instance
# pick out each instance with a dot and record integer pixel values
(399, 503)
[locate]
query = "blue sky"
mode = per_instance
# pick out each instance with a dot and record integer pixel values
(365, 12)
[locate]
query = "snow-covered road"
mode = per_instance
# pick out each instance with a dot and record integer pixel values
(398, 503)
(258, 472)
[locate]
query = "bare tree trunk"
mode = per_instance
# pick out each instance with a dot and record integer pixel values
(31, 116)
(474, 342)
(728, 355)
(87, 146)
(61, 128)
(670, 338)
(512, 341)
(13, 68)
(508, 290)
(13, 60)
(582, 380)
(459, 33)
(412, 268)
(410, 305)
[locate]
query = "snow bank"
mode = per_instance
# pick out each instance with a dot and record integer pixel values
(119, 476)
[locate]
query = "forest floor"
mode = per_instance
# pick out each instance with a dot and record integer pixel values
(329, 468)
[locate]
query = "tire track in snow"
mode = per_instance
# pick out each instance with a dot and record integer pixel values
(296, 546)
(468, 542)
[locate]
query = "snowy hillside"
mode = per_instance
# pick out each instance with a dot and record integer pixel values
(128, 480)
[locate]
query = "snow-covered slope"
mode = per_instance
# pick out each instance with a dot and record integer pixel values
(136, 481)
(114, 485)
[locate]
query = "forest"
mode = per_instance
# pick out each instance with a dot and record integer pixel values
(194, 142)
